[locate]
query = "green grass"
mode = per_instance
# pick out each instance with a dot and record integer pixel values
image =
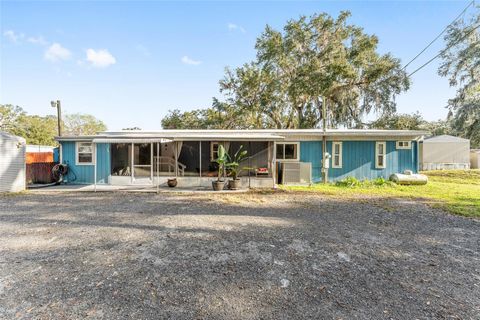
(457, 191)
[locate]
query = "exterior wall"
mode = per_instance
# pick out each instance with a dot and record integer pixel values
(446, 153)
(12, 163)
(475, 159)
(359, 160)
(84, 174)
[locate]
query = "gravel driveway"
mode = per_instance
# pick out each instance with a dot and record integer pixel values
(243, 256)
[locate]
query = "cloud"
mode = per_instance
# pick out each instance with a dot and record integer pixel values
(38, 40)
(235, 27)
(187, 60)
(100, 58)
(143, 50)
(13, 36)
(56, 52)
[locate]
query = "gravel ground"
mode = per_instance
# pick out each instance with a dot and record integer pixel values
(244, 256)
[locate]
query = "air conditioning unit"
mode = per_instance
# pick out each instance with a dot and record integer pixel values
(296, 172)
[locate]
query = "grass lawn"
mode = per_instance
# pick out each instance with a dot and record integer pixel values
(457, 191)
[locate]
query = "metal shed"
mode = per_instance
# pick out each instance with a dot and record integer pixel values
(445, 152)
(475, 159)
(12, 163)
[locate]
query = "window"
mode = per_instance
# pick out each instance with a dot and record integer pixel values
(337, 155)
(213, 151)
(287, 151)
(404, 145)
(380, 148)
(84, 153)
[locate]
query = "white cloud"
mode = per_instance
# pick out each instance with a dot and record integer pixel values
(13, 36)
(100, 58)
(38, 40)
(143, 50)
(56, 52)
(187, 60)
(234, 27)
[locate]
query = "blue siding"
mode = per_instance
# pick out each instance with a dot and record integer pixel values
(311, 151)
(83, 174)
(359, 160)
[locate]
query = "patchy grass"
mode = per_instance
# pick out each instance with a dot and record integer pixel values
(457, 191)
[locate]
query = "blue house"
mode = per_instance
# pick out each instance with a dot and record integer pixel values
(274, 156)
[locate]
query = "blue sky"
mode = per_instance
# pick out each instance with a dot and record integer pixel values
(128, 63)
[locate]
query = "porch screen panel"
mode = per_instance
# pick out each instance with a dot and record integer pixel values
(189, 158)
(257, 157)
(142, 161)
(121, 163)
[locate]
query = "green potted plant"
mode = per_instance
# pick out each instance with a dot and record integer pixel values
(222, 159)
(233, 166)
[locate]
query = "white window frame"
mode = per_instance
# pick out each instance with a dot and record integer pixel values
(404, 144)
(283, 145)
(77, 162)
(212, 151)
(384, 164)
(340, 152)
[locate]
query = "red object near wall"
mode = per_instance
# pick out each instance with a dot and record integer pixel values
(39, 157)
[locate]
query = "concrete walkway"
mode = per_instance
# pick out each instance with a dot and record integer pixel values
(138, 188)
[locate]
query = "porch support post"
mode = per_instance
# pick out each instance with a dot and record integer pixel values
(132, 152)
(176, 159)
(274, 164)
(200, 157)
(157, 164)
(151, 162)
(94, 167)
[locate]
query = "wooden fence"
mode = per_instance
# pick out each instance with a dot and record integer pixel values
(40, 172)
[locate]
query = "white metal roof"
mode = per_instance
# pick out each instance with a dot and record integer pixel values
(258, 134)
(8, 136)
(444, 138)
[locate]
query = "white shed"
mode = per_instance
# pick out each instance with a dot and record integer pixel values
(12, 163)
(445, 152)
(475, 159)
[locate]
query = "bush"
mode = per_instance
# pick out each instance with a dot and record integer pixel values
(349, 182)
(354, 182)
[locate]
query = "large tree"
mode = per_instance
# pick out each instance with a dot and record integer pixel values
(9, 116)
(461, 65)
(313, 57)
(316, 57)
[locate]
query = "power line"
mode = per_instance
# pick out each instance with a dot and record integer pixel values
(444, 50)
(441, 33)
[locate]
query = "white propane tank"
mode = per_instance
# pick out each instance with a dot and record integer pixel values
(409, 178)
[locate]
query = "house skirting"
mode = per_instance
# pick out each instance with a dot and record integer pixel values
(190, 182)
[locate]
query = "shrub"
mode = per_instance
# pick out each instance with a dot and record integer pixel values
(349, 182)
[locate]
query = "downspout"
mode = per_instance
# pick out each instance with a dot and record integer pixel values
(324, 141)
(157, 165)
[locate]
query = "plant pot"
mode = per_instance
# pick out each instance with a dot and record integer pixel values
(218, 185)
(172, 183)
(234, 184)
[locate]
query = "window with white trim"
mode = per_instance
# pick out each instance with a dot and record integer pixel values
(288, 151)
(337, 155)
(404, 145)
(213, 151)
(380, 155)
(84, 153)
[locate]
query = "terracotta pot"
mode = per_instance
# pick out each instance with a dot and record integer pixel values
(172, 183)
(234, 184)
(218, 185)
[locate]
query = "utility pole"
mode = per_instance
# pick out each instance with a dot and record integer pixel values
(324, 142)
(56, 104)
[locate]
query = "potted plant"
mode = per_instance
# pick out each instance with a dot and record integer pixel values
(234, 169)
(219, 184)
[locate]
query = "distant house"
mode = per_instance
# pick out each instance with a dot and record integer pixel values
(41, 154)
(275, 156)
(12, 163)
(445, 152)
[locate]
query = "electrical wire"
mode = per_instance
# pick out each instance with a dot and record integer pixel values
(441, 33)
(444, 50)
